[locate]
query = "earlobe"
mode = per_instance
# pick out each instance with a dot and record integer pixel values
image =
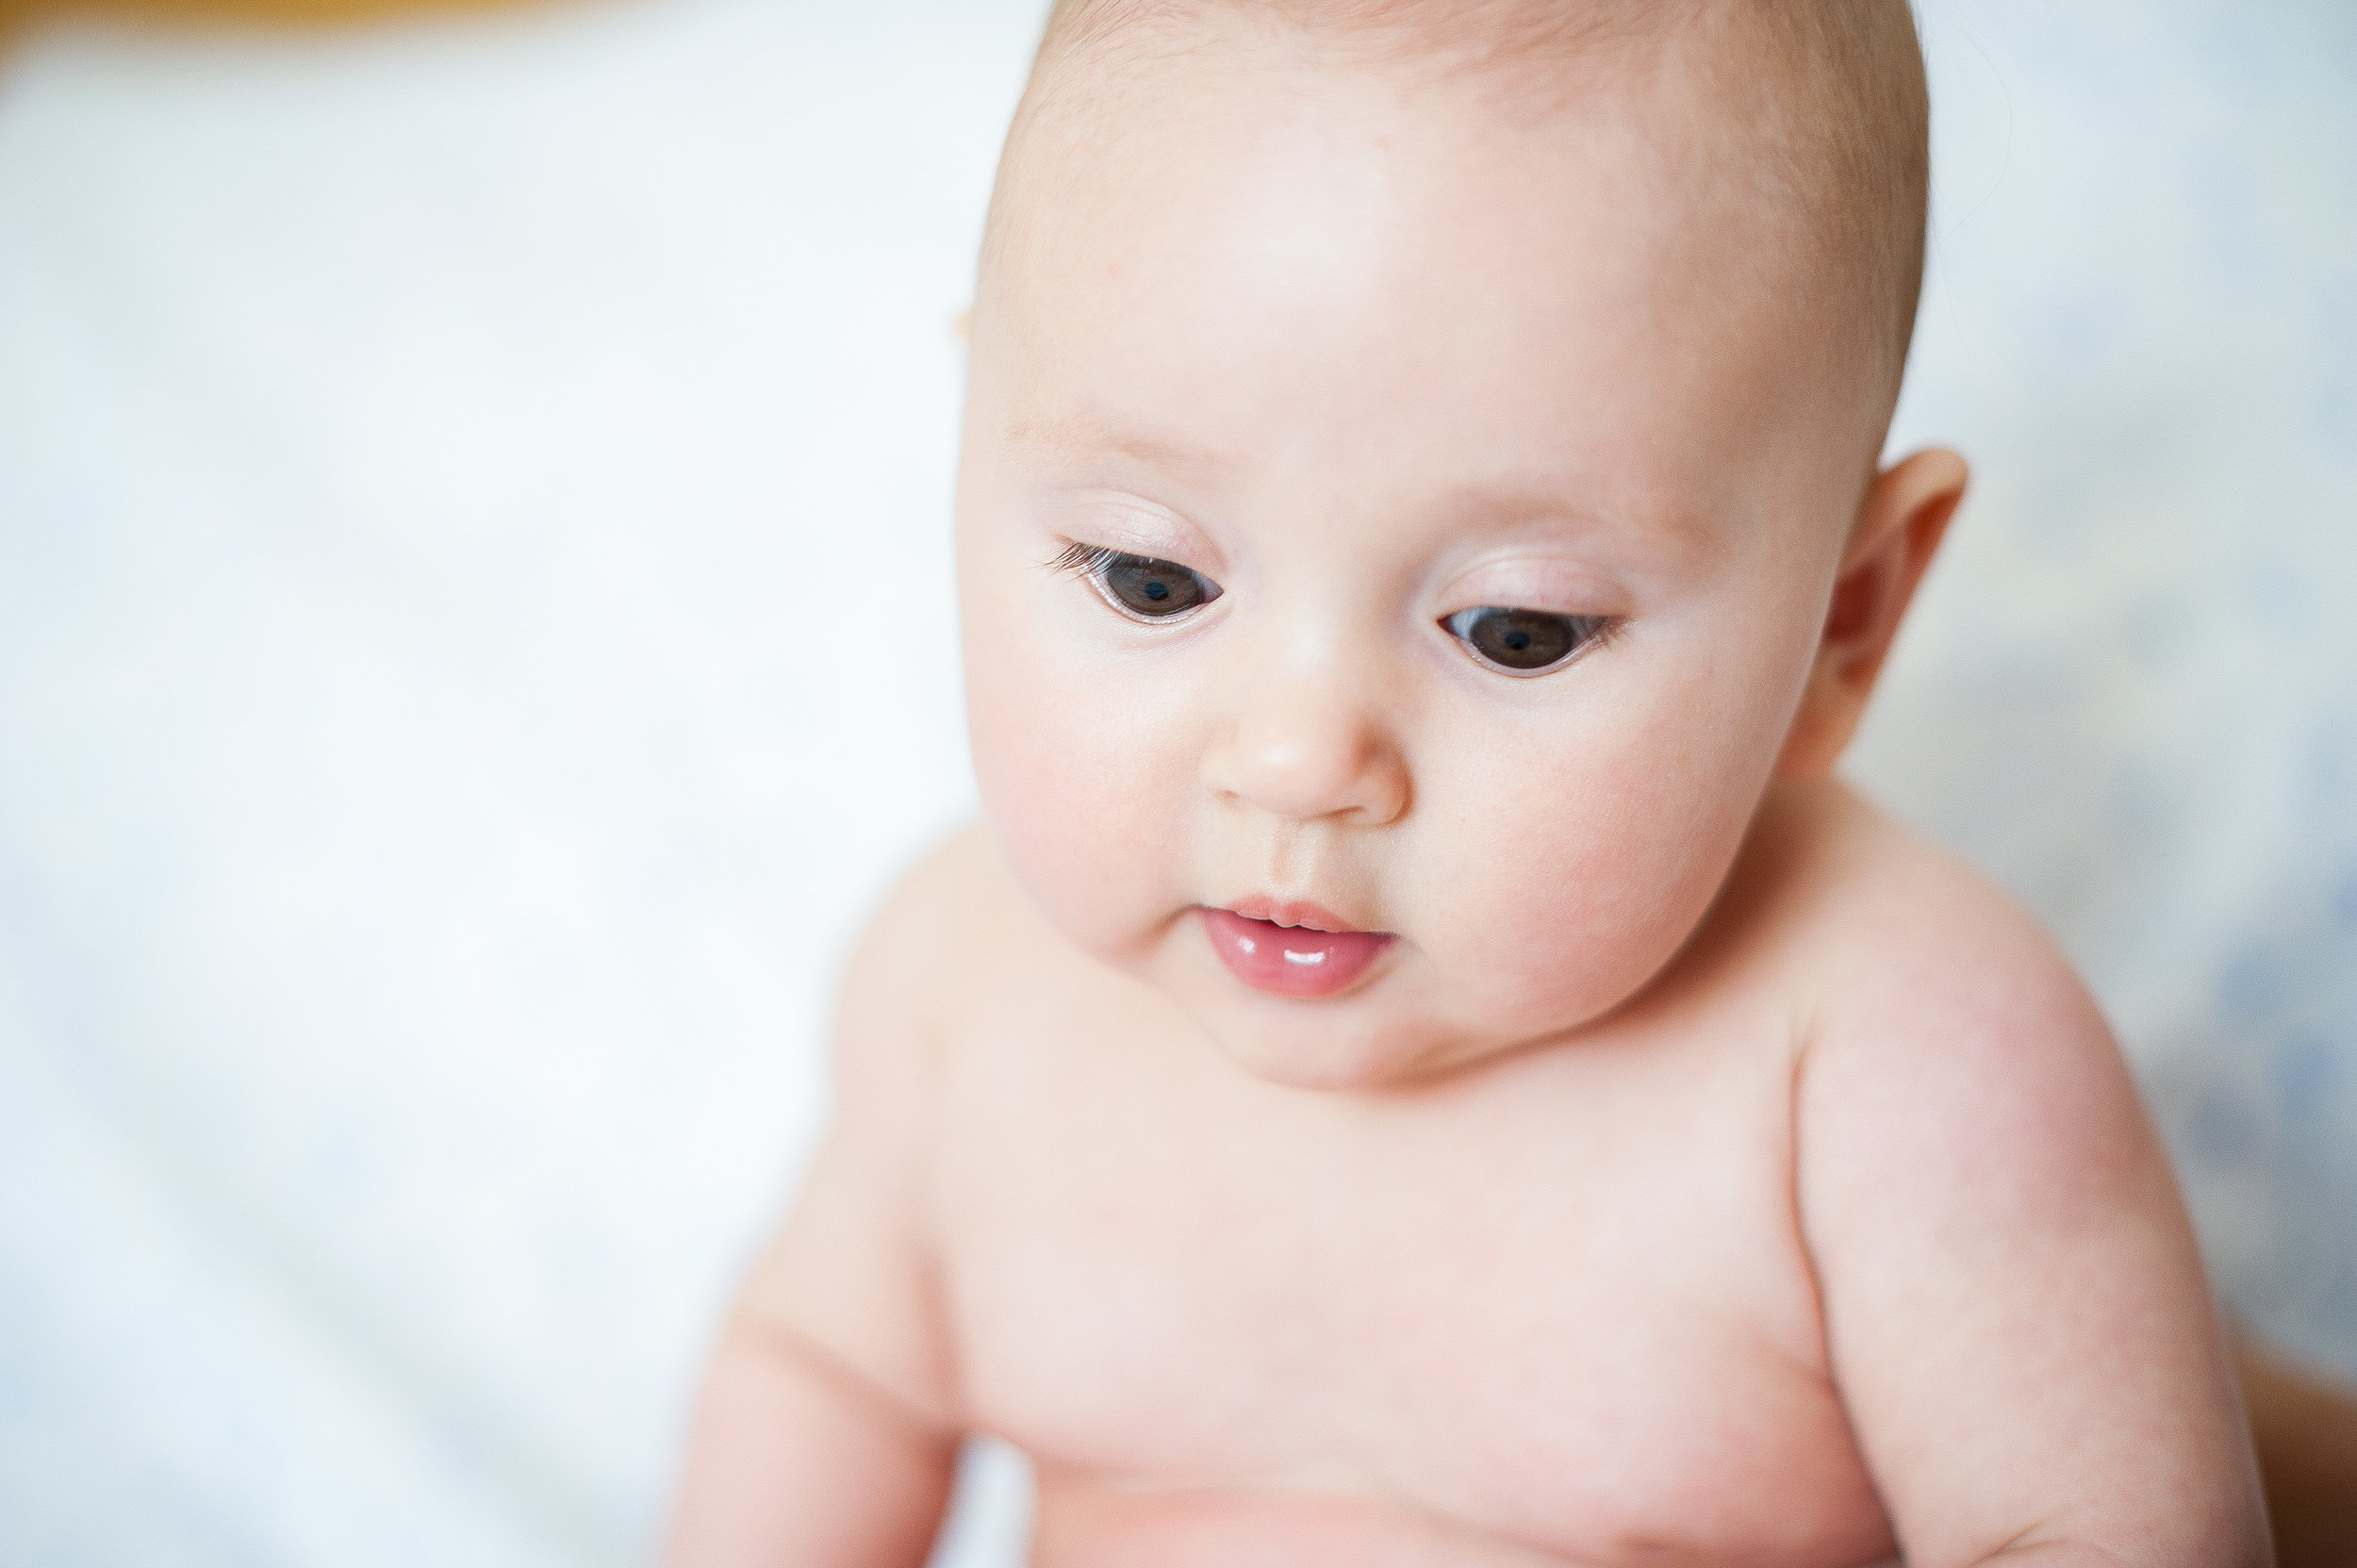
(1900, 524)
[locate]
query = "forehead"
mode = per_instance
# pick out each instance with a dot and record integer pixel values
(1239, 252)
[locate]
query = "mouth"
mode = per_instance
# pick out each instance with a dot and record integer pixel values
(1293, 950)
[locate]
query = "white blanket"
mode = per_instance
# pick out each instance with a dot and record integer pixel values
(475, 633)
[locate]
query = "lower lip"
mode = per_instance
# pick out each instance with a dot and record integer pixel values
(1292, 961)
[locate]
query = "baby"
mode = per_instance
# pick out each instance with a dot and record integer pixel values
(1426, 1067)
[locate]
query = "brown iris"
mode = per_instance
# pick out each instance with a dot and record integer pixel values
(1524, 642)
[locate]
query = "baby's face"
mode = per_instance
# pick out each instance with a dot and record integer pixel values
(1387, 512)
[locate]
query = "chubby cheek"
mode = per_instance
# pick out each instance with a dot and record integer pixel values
(1080, 790)
(1578, 876)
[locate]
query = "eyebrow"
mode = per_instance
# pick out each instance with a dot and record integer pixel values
(1504, 504)
(1564, 499)
(1070, 434)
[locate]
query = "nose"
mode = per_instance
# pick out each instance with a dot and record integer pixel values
(1305, 748)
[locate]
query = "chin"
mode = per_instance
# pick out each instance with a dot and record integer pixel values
(1322, 1045)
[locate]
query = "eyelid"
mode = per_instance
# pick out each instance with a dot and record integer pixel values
(1144, 528)
(1546, 584)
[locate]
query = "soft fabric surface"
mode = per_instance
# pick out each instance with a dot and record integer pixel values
(475, 634)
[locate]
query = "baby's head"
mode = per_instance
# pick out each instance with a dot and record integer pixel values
(1419, 477)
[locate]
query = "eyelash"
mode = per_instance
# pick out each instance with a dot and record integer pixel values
(1085, 560)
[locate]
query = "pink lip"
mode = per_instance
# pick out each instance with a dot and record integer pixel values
(1291, 949)
(1293, 913)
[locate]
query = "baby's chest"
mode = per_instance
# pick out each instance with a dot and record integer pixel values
(1544, 1321)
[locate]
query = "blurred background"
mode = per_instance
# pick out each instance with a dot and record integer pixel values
(476, 634)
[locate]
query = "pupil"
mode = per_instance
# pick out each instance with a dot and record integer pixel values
(1156, 590)
(1518, 639)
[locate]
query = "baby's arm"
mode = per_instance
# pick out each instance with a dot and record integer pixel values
(2014, 1305)
(823, 1437)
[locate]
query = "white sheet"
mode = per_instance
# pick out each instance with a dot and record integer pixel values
(476, 631)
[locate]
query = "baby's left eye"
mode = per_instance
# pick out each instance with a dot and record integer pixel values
(1523, 642)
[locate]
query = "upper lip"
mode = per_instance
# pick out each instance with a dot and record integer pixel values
(1291, 912)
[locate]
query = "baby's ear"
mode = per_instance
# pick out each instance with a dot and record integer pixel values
(1899, 526)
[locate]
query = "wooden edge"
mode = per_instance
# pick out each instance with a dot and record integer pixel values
(2303, 1422)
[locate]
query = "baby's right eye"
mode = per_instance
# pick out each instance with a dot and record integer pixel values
(1140, 587)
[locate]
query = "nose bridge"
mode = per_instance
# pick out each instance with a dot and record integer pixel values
(1309, 734)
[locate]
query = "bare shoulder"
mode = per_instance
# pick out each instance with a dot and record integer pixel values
(1871, 915)
(1935, 1000)
(2012, 1299)
(847, 1281)
(944, 925)
(1951, 1059)
(923, 945)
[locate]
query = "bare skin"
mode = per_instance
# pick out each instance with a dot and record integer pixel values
(1704, 1171)
(1559, 1308)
